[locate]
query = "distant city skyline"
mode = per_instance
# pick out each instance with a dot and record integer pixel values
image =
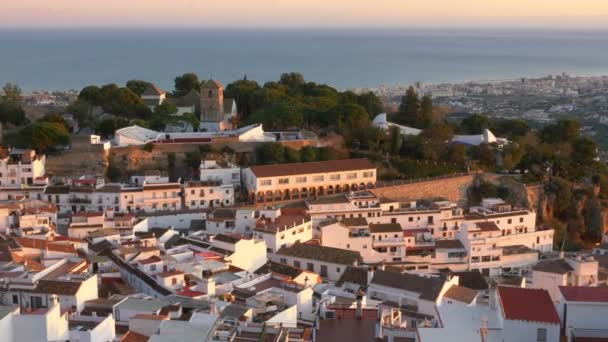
(581, 14)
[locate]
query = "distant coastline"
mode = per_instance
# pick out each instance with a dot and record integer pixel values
(61, 60)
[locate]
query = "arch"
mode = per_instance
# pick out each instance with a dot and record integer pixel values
(268, 196)
(330, 190)
(321, 191)
(278, 195)
(287, 194)
(295, 193)
(370, 185)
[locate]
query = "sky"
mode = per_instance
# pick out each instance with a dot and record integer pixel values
(583, 14)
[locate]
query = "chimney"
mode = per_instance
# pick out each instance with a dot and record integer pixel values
(370, 274)
(359, 309)
(208, 283)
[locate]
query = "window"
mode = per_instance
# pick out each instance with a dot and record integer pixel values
(15, 299)
(338, 269)
(323, 272)
(227, 192)
(351, 175)
(283, 180)
(152, 268)
(541, 335)
(210, 191)
(368, 174)
(235, 176)
(334, 177)
(429, 220)
(318, 178)
(300, 179)
(521, 220)
(296, 263)
(192, 203)
(265, 182)
(410, 219)
(283, 261)
(393, 220)
(509, 221)
(192, 192)
(310, 266)
(173, 281)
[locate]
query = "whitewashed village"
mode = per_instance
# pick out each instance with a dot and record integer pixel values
(308, 251)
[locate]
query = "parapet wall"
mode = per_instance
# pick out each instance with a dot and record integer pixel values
(452, 188)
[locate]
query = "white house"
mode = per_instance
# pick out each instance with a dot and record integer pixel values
(326, 261)
(527, 315)
(21, 168)
(582, 311)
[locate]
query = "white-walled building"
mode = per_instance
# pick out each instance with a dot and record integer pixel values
(552, 274)
(302, 180)
(582, 311)
(224, 172)
(208, 194)
(325, 261)
(282, 227)
(21, 168)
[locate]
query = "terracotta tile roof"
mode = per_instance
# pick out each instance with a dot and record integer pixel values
(311, 168)
(385, 228)
(57, 287)
(175, 186)
(461, 294)
(151, 317)
(171, 273)
(449, 244)
(532, 305)
(558, 266)
(151, 260)
(584, 294)
(487, 226)
(134, 337)
(227, 238)
(61, 247)
(190, 293)
(31, 243)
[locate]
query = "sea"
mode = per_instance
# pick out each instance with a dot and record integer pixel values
(347, 58)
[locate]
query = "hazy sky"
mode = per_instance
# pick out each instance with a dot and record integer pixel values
(303, 13)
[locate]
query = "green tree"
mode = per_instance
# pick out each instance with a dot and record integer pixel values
(474, 124)
(137, 86)
(11, 94)
(56, 118)
(12, 114)
(409, 107)
(270, 153)
(292, 79)
(243, 91)
(372, 103)
(281, 115)
(308, 154)
(81, 110)
(426, 115)
(584, 151)
(92, 95)
(44, 136)
(185, 83)
(291, 155)
(564, 130)
(394, 138)
(107, 127)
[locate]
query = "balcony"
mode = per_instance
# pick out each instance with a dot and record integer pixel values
(79, 200)
(388, 242)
